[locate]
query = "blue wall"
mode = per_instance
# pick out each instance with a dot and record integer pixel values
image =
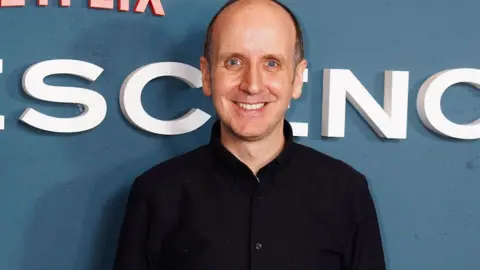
(62, 196)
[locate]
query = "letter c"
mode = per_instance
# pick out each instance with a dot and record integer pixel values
(131, 104)
(429, 103)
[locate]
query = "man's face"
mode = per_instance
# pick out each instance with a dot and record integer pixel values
(252, 76)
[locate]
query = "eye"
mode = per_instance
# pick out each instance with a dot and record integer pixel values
(272, 63)
(233, 62)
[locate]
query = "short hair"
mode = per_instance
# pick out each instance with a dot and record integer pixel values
(299, 47)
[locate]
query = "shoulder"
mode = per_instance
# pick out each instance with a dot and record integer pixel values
(171, 173)
(334, 178)
(326, 166)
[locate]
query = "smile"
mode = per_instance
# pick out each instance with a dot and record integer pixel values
(250, 106)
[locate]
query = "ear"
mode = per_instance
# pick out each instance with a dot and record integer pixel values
(298, 80)
(205, 69)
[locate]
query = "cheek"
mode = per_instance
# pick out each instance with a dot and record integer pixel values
(278, 86)
(224, 83)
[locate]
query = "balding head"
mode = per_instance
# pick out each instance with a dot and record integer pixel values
(253, 66)
(243, 8)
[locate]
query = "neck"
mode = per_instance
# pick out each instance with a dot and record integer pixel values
(258, 153)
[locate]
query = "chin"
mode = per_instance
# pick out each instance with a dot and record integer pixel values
(250, 135)
(249, 132)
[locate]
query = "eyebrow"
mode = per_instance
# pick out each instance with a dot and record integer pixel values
(225, 55)
(229, 54)
(279, 57)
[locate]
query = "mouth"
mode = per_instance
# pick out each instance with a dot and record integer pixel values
(251, 106)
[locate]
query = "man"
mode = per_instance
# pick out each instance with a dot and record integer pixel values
(251, 198)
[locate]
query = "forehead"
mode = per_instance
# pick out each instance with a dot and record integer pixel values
(254, 27)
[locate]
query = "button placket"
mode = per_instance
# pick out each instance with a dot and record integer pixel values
(256, 240)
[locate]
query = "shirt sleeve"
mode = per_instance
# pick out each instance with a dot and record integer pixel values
(132, 248)
(367, 250)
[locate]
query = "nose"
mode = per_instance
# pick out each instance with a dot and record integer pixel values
(251, 81)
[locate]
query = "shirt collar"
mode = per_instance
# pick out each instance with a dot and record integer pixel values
(235, 165)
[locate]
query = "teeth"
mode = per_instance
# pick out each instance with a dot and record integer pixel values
(247, 106)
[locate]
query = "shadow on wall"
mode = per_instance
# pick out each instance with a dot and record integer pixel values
(75, 225)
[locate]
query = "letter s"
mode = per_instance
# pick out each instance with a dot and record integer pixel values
(94, 103)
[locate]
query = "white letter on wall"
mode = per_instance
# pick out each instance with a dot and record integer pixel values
(131, 103)
(94, 103)
(429, 103)
(2, 118)
(341, 84)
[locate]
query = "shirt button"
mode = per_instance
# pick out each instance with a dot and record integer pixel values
(258, 246)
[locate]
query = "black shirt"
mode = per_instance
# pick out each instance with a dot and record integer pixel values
(206, 210)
